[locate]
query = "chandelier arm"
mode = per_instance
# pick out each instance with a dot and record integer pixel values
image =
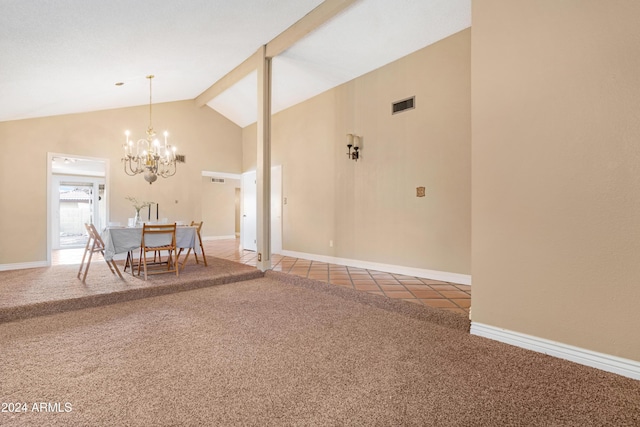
(168, 172)
(168, 169)
(128, 161)
(124, 163)
(175, 168)
(137, 160)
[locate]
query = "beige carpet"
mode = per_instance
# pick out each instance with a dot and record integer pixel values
(41, 291)
(287, 351)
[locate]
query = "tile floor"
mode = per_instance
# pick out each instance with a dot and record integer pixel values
(443, 295)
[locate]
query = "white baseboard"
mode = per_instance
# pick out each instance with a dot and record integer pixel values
(231, 236)
(462, 279)
(606, 362)
(23, 265)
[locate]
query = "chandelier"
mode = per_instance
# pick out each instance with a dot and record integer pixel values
(148, 155)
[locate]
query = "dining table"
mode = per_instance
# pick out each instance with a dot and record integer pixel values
(119, 240)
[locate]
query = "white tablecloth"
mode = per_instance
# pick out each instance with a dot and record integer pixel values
(119, 240)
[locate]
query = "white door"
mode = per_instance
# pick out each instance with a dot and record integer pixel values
(249, 211)
(276, 209)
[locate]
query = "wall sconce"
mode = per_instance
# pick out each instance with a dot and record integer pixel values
(353, 141)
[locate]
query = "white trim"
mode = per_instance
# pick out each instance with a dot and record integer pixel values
(23, 265)
(606, 362)
(222, 175)
(462, 279)
(232, 236)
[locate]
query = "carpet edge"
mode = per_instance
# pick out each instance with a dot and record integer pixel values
(413, 310)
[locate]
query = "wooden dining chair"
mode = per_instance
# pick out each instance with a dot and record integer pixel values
(198, 226)
(94, 244)
(158, 237)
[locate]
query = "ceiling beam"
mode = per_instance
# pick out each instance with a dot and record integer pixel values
(229, 79)
(312, 20)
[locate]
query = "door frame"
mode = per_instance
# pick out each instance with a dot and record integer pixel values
(94, 182)
(276, 209)
(107, 191)
(276, 200)
(248, 214)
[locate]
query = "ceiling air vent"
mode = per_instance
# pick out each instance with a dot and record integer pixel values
(181, 158)
(405, 104)
(218, 180)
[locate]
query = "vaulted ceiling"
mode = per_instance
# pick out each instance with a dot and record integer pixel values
(66, 56)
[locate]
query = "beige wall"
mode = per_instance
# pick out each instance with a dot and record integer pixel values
(209, 141)
(556, 170)
(369, 208)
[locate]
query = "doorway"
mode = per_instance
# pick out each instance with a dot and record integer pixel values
(76, 194)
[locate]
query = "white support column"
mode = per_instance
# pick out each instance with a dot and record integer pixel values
(263, 170)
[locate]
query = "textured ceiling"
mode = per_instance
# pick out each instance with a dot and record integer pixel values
(65, 56)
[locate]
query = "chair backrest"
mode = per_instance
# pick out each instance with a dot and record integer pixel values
(197, 224)
(154, 235)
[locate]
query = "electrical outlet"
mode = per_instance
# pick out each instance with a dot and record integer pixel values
(259, 257)
(330, 243)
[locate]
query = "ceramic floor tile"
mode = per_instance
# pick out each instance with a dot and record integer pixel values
(382, 276)
(361, 276)
(444, 288)
(398, 294)
(366, 287)
(413, 287)
(411, 282)
(392, 287)
(426, 294)
(433, 282)
(454, 294)
(463, 303)
(387, 281)
(302, 273)
(341, 282)
(367, 281)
